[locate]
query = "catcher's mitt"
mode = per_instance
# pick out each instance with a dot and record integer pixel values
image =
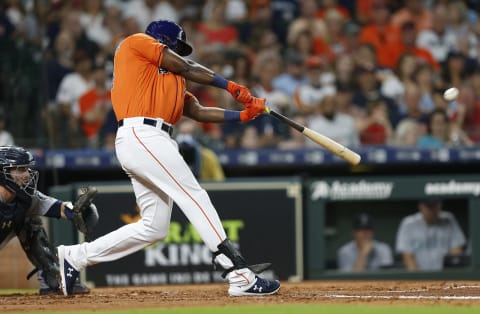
(85, 214)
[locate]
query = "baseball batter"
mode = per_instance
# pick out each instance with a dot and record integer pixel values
(149, 96)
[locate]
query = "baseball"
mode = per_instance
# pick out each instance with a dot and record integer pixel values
(451, 94)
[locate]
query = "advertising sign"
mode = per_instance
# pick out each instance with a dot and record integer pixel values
(263, 219)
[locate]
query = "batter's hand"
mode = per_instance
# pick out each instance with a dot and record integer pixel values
(254, 108)
(239, 92)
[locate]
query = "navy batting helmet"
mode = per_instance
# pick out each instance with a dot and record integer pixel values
(170, 34)
(14, 157)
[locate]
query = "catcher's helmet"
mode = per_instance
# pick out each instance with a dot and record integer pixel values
(170, 34)
(14, 157)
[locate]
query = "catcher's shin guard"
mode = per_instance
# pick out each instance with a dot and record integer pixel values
(39, 251)
(228, 249)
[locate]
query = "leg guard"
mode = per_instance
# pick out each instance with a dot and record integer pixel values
(39, 251)
(228, 249)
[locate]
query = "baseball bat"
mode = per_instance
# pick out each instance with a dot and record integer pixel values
(322, 140)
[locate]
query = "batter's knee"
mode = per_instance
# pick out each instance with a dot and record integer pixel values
(153, 230)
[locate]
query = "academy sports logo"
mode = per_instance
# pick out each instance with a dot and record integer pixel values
(452, 187)
(338, 190)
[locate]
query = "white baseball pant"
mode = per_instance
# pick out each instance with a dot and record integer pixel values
(159, 176)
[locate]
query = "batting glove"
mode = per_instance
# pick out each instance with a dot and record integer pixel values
(254, 108)
(239, 92)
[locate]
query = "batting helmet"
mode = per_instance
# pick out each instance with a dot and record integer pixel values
(13, 157)
(170, 34)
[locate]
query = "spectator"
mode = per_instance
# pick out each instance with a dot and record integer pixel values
(460, 28)
(92, 19)
(471, 123)
(381, 33)
(293, 76)
(337, 125)
(307, 20)
(437, 40)
(456, 68)
(425, 238)
(334, 43)
(6, 138)
(394, 84)
(426, 80)
(344, 69)
(368, 89)
(71, 22)
(410, 107)
(363, 253)
(216, 29)
(72, 86)
(235, 10)
(408, 44)
(307, 97)
(283, 13)
(440, 133)
(144, 11)
(94, 106)
(414, 11)
(376, 128)
(407, 133)
(333, 5)
(304, 44)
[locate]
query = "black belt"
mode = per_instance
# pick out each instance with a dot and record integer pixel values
(165, 127)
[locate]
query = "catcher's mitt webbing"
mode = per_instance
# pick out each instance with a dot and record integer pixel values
(83, 213)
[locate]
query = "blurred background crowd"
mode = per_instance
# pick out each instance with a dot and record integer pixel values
(364, 72)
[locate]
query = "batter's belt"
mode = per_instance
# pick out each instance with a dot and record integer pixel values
(157, 123)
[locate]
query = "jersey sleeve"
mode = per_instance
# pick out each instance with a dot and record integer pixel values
(147, 47)
(42, 203)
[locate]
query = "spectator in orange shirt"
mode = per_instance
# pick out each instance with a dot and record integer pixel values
(414, 12)
(408, 44)
(381, 34)
(94, 106)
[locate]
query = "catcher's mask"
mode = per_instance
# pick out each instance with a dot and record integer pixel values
(16, 169)
(170, 34)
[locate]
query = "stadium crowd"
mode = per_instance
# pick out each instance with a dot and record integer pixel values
(365, 72)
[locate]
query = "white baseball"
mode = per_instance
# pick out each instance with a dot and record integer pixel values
(451, 94)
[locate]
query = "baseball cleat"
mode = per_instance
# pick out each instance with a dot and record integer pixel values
(259, 288)
(68, 274)
(78, 288)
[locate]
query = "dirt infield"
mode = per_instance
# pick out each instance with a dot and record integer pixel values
(371, 292)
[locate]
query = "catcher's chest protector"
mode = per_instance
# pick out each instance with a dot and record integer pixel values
(12, 217)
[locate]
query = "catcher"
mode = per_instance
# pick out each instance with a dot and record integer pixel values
(21, 206)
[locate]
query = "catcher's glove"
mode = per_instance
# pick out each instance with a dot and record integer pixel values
(85, 214)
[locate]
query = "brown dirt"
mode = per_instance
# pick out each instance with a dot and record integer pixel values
(320, 292)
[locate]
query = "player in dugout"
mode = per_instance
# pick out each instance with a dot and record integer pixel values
(149, 96)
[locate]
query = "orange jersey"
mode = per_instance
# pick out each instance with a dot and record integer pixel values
(140, 88)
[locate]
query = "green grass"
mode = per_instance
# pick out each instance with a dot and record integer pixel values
(294, 309)
(11, 291)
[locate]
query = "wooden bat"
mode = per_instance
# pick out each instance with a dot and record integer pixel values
(322, 140)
